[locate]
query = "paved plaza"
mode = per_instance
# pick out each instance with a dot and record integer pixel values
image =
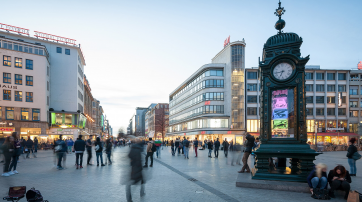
(172, 178)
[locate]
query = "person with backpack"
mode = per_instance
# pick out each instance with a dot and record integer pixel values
(79, 148)
(351, 159)
(151, 148)
(217, 146)
(186, 144)
(99, 149)
(60, 149)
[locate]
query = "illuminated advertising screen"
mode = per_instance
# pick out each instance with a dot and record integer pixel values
(283, 119)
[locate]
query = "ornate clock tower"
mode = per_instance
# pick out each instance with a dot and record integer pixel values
(282, 110)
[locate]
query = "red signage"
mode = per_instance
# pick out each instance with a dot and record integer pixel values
(54, 38)
(229, 132)
(184, 133)
(359, 65)
(207, 102)
(7, 129)
(203, 132)
(11, 28)
(227, 41)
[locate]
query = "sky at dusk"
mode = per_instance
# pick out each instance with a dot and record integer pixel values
(137, 52)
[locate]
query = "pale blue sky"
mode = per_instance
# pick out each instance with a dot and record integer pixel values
(137, 52)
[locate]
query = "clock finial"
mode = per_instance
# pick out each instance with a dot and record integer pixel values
(280, 24)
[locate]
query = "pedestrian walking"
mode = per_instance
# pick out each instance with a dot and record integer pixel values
(150, 149)
(217, 146)
(16, 153)
(225, 146)
(22, 143)
(79, 148)
(89, 150)
(173, 149)
(129, 143)
(29, 147)
(177, 146)
(248, 147)
(196, 144)
(8, 150)
(99, 149)
(70, 144)
(209, 146)
(158, 144)
(136, 170)
(109, 151)
(351, 161)
(60, 149)
(205, 143)
(36, 143)
(186, 147)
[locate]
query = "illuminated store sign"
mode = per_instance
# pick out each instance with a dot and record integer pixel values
(283, 113)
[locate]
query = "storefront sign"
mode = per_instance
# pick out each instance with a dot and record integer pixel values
(207, 102)
(2, 122)
(7, 129)
(229, 132)
(359, 65)
(8, 86)
(203, 132)
(335, 128)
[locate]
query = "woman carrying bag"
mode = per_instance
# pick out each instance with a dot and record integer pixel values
(352, 155)
(16, 154)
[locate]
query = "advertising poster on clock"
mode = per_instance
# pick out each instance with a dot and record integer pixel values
(283, 113)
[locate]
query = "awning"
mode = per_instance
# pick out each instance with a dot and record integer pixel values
(334, 134)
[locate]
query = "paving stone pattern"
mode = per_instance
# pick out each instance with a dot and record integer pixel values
(171, 179)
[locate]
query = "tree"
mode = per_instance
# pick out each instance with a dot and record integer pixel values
(121, 133)
(121, 130)
(160, 122)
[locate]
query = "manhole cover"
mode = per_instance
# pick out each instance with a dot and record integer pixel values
(199, 192)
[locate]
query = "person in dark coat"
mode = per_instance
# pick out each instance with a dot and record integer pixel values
(79, 148)
(29, 145)
(136, 169)
(318, 179)
(352, 163)
(109, 150)
(225, 145)
(217, 146)
(209, 146)
(248, 147)
(339, 179)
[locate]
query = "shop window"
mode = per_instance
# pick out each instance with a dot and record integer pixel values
(321, 125)
(309, 87)
(320, 88)
(36, 114)
(6, 78)
(251, 110)
(331, 99)
(29, 80)
(331, 88)
(18, 79)
(309, 99)
(24, 114)
(18, 96)
(342, 124)
(68, 119)
(353, 128)
(331, 111)
(309, 111)
(252, 99)
(29, 97)
(29, 64)
(6, 94)
(342, 111)
(353, 113)
(320, 111)
(320, 76)
(67, 51)
(310, 126)
(253, 125)
(309, 76)
(18, 62)
(58, 119)
(331, 124)
(341, 88)
(9, 113)
(7, 61)
(331, 76)
(319, 99)
(342, 76)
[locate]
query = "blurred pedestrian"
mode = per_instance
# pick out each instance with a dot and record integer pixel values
(136, 169)
(109, 151)
(22, 143)
(8, 150)
(225, 146)
(158, 144)
(196, 144)
(16, 153)
(99, 148)
(186, 144)
(173, 150)
(89, 150)
(217, 146)
(60, 149)
(177, 146)
(70, 144)
(150, 149)
(248, 148)
(36, 142)
(29, 146)
(209, 146)
(351, 161)
(79, 148)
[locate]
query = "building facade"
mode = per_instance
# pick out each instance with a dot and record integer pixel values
(334, 101)
(210, 103)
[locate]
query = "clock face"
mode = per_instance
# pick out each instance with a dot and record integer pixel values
(283, 71)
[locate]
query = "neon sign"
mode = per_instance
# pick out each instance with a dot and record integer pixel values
(54, 38)
(359, 65)
(11, 28)
(227, 41)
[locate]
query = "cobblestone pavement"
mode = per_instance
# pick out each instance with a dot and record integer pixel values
(172, 178)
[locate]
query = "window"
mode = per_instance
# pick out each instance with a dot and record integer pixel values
(353, 113)
(48, 70)
(341, 88)
(59, 50)
(331, 100)
(309, 76)
(252, 99)
(353, 90)
(6, 94)
(18, 96)
(9, 113)
(331, 111)
(18, 62)
(353, 103)
(7, 61)
(320, 111)
(251, 87)
(309, 87)
(320, 76)
(342, 76)
(309, 99)
(29, 97)
(320, 88)
(47, 85)
(24, 114)
(310, 126)
(80, 71)
(29, 80)
(343, 99)
(6, 78)
(331, 88)
(251, 110)
(48, 100)
(67, 51)
(29, 64)
(309, 111)
(252, 75)
(213, 96)
(319, 99)
(213, 83)
(342, 111)
(7, 45)
(36, 114)
(18, 79)
(331, 76)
